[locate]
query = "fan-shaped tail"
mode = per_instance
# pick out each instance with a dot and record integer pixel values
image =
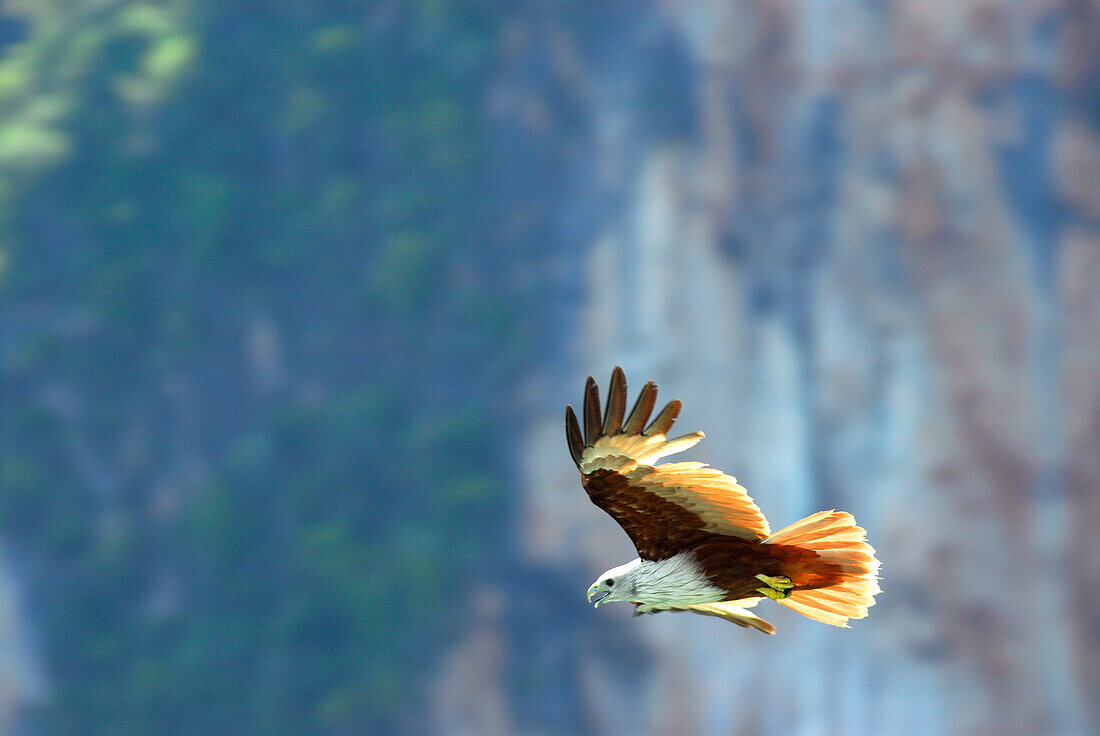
(841, 578)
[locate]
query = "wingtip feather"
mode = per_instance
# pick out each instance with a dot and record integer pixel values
(573, 435)
(643, 407)
(664, 421)
(616, 402)
(591, 411)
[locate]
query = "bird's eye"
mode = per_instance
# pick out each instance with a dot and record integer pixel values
(611, 582)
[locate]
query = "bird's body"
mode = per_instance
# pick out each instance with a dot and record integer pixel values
(703, 545)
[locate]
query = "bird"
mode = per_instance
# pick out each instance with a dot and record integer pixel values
(703, 544)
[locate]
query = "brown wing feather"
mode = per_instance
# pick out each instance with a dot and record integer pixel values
(658, 528)
(573, 435)
(664, 421)
(616, 403)
(663, 508)
(643, 407)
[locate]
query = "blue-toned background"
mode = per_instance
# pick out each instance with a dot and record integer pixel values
(292, 296)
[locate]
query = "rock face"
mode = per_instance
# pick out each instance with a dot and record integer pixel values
(21, 680)
(868, 264)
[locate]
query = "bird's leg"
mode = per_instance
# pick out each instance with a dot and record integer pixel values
(777, 587)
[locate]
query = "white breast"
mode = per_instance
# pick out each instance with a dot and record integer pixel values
(676, 581)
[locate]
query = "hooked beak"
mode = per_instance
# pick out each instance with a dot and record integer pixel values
(596, 590)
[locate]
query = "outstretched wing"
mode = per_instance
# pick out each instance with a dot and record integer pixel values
(733, 611)
(663, 508)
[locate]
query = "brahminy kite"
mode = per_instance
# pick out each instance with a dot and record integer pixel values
(703, 545)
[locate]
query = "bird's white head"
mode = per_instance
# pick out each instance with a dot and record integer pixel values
(617, 584)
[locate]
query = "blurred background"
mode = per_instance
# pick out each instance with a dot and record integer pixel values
(293, 294)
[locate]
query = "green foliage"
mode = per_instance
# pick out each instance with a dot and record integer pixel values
(226, 555)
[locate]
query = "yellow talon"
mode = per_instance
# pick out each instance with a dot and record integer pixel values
(779, 586)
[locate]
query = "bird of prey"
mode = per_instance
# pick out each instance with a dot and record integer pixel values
(703, 545)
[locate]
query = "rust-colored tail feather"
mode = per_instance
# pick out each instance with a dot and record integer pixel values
(842, 552)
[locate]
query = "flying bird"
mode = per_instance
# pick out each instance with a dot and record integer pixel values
(703, 544)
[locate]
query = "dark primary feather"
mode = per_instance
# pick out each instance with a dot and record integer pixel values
(616, 403)
(591, 412)
(573, 435)
(664, 421)
(639, 415)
